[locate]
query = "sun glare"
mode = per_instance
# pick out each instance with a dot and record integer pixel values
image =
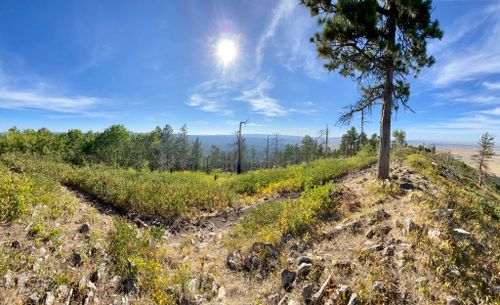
(226, 51)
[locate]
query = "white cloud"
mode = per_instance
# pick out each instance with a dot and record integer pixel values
(492, 86)
(34, 99)
(284, 8)
(261, 103)
(493, 111)
(211, 96)
(458, 61)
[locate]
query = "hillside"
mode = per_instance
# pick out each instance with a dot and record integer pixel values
(318, 233)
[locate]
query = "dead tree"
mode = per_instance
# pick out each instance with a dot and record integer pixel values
(486, 152)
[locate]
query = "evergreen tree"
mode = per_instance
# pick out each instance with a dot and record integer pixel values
(486, 152)
(377, 43)
(196, 155)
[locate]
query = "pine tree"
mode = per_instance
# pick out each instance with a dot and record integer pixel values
(486, 152)
(377, 43)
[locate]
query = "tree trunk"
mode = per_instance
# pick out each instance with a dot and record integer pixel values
(385, 120)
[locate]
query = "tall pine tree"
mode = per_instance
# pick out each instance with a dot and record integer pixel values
(378, 43)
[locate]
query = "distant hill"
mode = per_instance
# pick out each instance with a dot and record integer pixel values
(227, 142)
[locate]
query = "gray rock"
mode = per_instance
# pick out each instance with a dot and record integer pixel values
(233, 261)
(287, 279)
(16, 244)
(304, 259)
(495, 289)
(33, 299)
(221, 293)
(84, 229)
(378, 286)
(49, 298)
(434, 234)
(304, 269)
(375, 247)
(307, 292)
(7, 280)
(409, 226)
(130, 285)
(342, 292)
(293, 302)
(77, 259)
(353, 300)
(319, 294)
(383, 230)
(62, 291)
(21, 280)
(388, 251)
(370, 233)
(451, 300)
(96, 275)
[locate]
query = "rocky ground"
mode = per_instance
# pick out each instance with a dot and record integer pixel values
(367, 249)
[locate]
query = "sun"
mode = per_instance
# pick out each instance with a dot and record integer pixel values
(227, 51)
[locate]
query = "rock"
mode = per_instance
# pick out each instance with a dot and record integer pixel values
(407, 186)
(375, 247)
(287, 279)
(353, 300)
(130, 285)
(49, 298)
(82, 284)
(293, 302)
(462, 232)
(388, 251)
(370, 233)
(252, 262)
(378, 286)
(21, 280)
(96, 276)
(233, 261)
(409, 226)
(7, 280)
(319, 294)
(304, 269)
(378, 216)
(221, 293)
(342, 292)
(450, 300)
(495, 289)
(33, 299)
(84, 229)
(307, 292)
(343, 263)
(16, 244)
(444, 213)
(434, 234)
(62, 292)
(304, 259)
(77, 259)
(383, 230)
(115, 281)
(354, 226)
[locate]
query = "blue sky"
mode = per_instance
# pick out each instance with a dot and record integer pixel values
(89, 64)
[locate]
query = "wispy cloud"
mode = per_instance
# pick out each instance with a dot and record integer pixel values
(493, 111)
(480, 56)
(211, 96)
(492, 86)
(284, 8)
(34, 99)
(260, 102)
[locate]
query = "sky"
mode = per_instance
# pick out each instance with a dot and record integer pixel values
(89, 64)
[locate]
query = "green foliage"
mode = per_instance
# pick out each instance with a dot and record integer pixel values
(476, 210)
(20, 191)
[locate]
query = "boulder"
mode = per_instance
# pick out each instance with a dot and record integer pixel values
(287, 279)
(304, 269)
(233, 261)
(307, 292)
